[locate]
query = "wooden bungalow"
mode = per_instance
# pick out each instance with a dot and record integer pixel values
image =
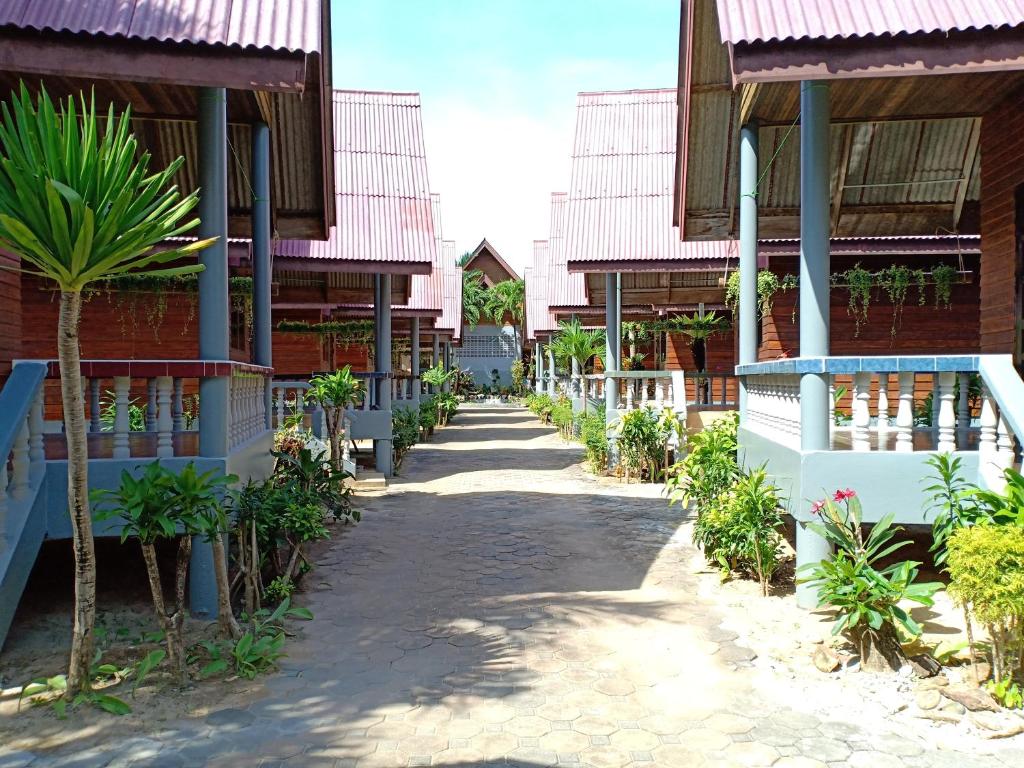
(489, 348)
(896, 125)
(249, 109)
(380, 267)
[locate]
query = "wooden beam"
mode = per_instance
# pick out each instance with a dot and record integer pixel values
(265, 104)
(970, 161)
(840, 185)
(748, 100)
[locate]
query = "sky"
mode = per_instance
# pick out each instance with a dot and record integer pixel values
(498, 82)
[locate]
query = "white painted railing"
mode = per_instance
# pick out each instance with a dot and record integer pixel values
(22, 455)
(657, 389)
(888, 403)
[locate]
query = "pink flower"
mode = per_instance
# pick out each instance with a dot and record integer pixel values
(849, 493)
(817, 506)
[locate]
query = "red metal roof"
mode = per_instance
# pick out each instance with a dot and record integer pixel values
(451, 317)
(746, 21)
(427, 291)
(538, 282)
(384, 217)
(565, 288)
(291, 25)
(623, 171)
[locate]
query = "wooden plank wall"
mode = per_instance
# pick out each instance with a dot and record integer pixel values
(924, 329)
(1002, 170)
(10, 314)
(297, 355)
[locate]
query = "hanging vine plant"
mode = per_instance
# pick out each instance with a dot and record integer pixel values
(895, 281)
(921, 280)
(944, 277)
(859, 282)
(345, 332)
(768, 285)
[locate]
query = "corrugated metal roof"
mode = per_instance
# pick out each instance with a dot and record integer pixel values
(537, 276)
(382, 199)
(623, 172)
(451, 316)
(746, 21)
(565, 288)
(427, 291)
(291, 25)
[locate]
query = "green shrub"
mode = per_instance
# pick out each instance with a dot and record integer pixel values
(447, 404)
(541, 405)
(709, 468)
(866, 598)
(428, 414)
(518, 373)
(405, 432)
(986, 569)
(562, 417)
(952, 500)
(740, 530)
(593, 432)
(641, 443)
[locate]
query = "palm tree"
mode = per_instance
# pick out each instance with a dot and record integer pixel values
(474, 296)
(79, 204)
(700, 328)
(573, 342)
(507, 299)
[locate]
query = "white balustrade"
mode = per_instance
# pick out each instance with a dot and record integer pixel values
(905, 413)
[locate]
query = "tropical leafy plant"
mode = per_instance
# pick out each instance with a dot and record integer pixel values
(709, 467)
(699, 328)
(865, 595)
(593, 434)
(518, 374)
(574, 343)
(80, 204)
(258, 650)
(474, 297)
(986, 569)
(334, 392)
(952, 500)
(405, 433)
(641, 440)
(767, 286)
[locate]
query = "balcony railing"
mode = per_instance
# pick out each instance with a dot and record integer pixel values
(658, 389)
(152, 408)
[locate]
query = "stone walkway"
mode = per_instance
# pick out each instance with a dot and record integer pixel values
(499, 607)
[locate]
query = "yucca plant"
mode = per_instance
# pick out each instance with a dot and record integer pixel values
(335, 392)
(79, 204)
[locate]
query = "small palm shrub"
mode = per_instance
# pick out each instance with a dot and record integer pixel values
(334, 392)
(866, 596)
(405, 433)
(709, 467)
(741, 529)
(427, 416)
(561, 417)
(593, 432)
(641, 441)
(986, 569)
(446, 404)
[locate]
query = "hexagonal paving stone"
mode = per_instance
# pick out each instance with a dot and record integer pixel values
(822, 748)
(634, 740)
(564, 742)
(704, 739)
(750, 753)
(727, 723)
(872, 759)
(605, 757)
(493, 713)
(557, 710)
(528, 726)
(595, 726)
(798, 761)
(677, 756)
(665, 725)
(494, 745)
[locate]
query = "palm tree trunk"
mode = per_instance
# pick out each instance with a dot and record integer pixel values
(225, 618)
(73, 403)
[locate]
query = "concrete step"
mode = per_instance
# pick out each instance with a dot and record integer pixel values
(368, 480)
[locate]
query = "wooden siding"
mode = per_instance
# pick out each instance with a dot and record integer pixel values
(297, 355)
(10, 314)
(923, 330)
(1002, 170)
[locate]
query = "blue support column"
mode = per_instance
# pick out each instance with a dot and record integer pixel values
(214, 318)
(815, 197)
(414, 364)
(538, 384)
(447, 357)
(382, 448)
(435, 358)
(551, 371)
(613, 342)
(748, 255)
(262, 264)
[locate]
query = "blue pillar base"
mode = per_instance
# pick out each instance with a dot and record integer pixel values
(202, 583)
(810, 548)
(383, 457)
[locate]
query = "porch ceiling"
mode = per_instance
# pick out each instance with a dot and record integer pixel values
(328, 290)
(158, 78)
(905, 158)
(654, 291)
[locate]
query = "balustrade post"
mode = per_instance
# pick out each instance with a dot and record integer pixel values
(36, 447)
(164, 420)
(178, 406)
(95, 409)
(946, 420)
(151, 405)
(659, 393)
(1004, 443)
(987, 422)
(883, 403)
(963, 411)
(905, 413)
(935, 402)
(20, 463)
(122, 417)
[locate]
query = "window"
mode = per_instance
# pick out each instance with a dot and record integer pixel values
(497, 345)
